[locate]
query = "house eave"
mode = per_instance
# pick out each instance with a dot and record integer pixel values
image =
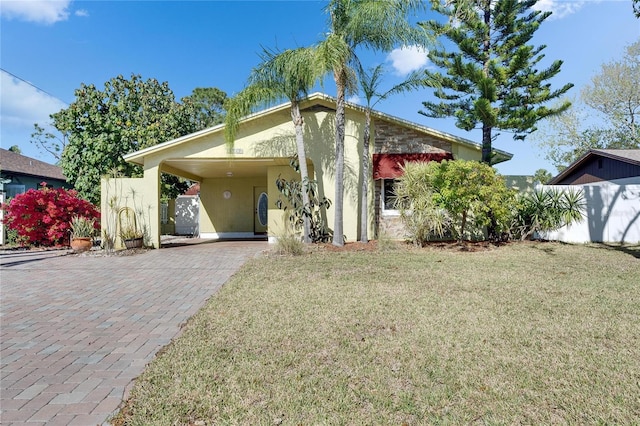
(499, 156)
(137, 157)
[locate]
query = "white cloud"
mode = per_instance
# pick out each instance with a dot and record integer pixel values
(407, 59)
(82, 13)
(39, 11)
(559, 8)
(354, 99)
(22, 105)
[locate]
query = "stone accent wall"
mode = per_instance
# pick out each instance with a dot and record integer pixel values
(389, 226)
(391, 138)
(392, 227)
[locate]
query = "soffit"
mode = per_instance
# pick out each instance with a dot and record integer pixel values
(207, 168)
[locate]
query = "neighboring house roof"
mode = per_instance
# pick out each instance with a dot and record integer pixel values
(627, 155)
(630, 157)
(14, 163)
(193, 189)
(315, 99)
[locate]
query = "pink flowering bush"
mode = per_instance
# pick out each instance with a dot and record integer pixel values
(42, 217)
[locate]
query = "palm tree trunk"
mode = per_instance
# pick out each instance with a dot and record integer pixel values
(338, 225)
(304, 172)
(364, 204)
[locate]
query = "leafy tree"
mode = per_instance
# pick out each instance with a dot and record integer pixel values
(372, 24)
(610, 105)
(542, 176)
(101, 126)
(492, 79)
(369, 85)
(288, 74)
(636, 8)
(48, 141)
(208, 103)
(15, 148)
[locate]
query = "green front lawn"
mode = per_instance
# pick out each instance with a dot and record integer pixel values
(527, 333)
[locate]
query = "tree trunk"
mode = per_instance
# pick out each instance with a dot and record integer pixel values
(364, 204)
(304, 172)
(338, 231)
(486, 127)
(486, 158)
(486, 144)
(462, 226)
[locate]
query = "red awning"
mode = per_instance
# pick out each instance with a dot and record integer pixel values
(389, 166)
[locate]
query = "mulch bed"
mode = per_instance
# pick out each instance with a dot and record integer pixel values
(371, 246)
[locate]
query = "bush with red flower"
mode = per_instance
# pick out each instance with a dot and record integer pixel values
(42, 217)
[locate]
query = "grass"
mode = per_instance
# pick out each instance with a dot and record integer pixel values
(527, 333)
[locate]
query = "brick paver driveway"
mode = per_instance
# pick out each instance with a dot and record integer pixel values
(75, 331)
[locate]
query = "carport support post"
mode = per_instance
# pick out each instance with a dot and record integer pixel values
(152, 193)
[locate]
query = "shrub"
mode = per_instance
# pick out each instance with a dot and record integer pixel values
(457, 196)
(546, 210)
(422, 218)
(296, 211)
(289, 244)
(43, 217)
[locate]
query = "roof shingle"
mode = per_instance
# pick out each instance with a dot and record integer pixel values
(11, 162)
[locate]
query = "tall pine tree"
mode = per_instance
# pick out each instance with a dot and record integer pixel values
(492, 79)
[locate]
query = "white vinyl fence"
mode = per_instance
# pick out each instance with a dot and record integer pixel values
(187, 215)
(612, 214)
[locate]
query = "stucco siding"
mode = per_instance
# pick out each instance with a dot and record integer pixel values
(136, 194)
(228, 215)
(277, 223)
(320, 140)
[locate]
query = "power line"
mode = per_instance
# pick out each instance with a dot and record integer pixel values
(33, 85)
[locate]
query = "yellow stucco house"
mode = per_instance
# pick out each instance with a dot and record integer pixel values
(237, 184)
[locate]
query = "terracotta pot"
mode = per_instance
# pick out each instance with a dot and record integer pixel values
(133, 243)
(80, 244)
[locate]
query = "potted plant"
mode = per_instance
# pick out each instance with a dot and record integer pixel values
(131, 237)
(82, 232)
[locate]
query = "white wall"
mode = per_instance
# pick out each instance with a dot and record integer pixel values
(612, 214)
(187, 215)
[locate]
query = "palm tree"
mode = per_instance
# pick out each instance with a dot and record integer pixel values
(288, 74)
(369, 83)
(372, 24)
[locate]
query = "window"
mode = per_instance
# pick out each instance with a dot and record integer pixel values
(388, 196)
(12, 190)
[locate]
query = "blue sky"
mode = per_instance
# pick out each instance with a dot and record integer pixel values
(48, 48)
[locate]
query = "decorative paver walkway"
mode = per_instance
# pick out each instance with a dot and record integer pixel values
(75, 330)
